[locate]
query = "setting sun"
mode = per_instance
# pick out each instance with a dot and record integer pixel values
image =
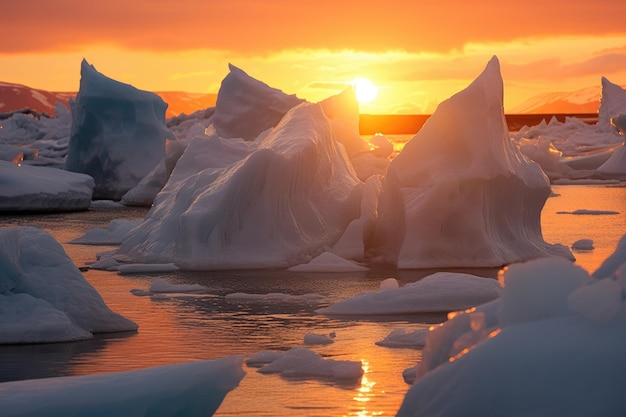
(365, 90)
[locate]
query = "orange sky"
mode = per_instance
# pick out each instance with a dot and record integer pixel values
(418, 52)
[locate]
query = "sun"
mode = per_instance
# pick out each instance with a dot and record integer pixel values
(364, 89)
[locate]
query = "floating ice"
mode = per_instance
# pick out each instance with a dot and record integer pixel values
(246, 107)
(400, 338)
(44, 296)
(304, 363)
(274, 297)
(162, 286)
(615, 166)
(228, 205)
(328, 262)
(188, 389)
(118, 133)
(30, 188)
(439, 292)
(126, 269)
(317, 339)
(112, 235)
(460, 193)
(589, 212)
(532, 352)
(583, 244)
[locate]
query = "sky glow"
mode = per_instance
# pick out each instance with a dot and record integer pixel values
(417, 53)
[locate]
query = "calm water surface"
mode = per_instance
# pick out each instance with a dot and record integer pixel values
(184, 328)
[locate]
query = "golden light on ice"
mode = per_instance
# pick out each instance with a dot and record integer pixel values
(364, 89)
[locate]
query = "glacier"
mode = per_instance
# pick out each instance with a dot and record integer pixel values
(118, 133)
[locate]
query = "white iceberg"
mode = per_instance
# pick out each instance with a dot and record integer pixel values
(460, 194)
(181, 390)
(118, 133)
(246, 107)
(317, 339)
(44, 297)
(533, 352)
(31, 188)
(229, 205)
(439, 292)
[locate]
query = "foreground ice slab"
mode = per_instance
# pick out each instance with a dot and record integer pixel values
(504, 358)
(233, 204)
(118, 133)
(43, 296)
(29, 188)
(193, 389)
(460, 194)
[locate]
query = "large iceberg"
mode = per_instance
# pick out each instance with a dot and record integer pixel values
(551, 345)
(229, 203)
(43, 296)
(191, 389)
(32, 188)
(460, 194)
(118, 133)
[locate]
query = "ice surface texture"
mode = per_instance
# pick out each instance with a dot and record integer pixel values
(118, 133)
(43, 296)
(182, 390)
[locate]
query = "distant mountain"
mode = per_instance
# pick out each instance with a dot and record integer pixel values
(16, 97)
(585, 100)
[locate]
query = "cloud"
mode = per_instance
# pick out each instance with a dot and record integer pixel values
(253, 27)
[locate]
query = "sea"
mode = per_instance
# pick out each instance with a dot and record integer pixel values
(182, 328)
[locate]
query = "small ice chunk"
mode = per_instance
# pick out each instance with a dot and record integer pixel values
(160, 285)
(389, 284)
(263, 358)
(303, 362)
(400, 338)
(317, 339)
(583, 244)
(112, 235)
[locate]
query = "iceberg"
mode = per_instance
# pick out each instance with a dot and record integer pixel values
(615, 166)
(246, 107)
(31, 188)
(234, 204)
(504, 358)
(43, 296)
(460, 194)
(118, 133)
(180, 390)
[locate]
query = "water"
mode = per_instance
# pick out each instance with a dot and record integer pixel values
(187, 328)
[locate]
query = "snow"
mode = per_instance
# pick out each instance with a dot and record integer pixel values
(304, 363)
(552, 342)
(460, 191)
(31, 188)
(439, 292)
(112, 235)
(118, 133)
(188, 389)
(328, 262)
(44, 296)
